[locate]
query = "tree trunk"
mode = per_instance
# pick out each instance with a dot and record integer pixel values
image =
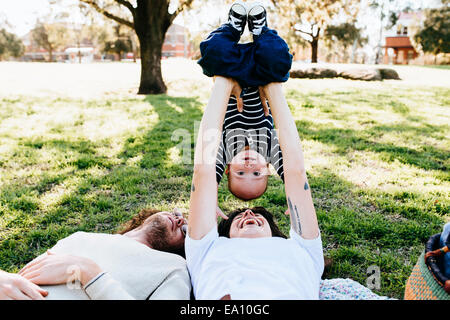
(151, 28)
(314, 49)
(132, 36)
(151, 19)
(151, 76)
(50, 54)
(378, 55)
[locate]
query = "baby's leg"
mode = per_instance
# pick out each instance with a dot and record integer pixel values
(272, 58)
(220, 52)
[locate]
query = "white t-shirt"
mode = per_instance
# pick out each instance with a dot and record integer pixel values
(255, 269)
(133, 270)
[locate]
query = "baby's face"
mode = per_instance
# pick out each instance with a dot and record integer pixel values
(248, 175)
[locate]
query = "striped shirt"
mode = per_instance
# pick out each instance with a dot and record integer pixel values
(248, 128)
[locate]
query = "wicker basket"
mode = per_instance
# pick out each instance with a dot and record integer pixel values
(427, 281)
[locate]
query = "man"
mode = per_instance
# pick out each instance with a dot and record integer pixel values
(139, 262)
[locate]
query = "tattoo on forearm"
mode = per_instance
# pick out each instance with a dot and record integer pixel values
(295, 217)
(193, 188)
(306, 187)
(297, 214)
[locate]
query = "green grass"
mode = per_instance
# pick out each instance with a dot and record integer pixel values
(377, 156)
(440, 66)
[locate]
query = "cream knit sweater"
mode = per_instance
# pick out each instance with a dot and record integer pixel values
(131, 270)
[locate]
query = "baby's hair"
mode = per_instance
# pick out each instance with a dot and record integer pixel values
(230, 188)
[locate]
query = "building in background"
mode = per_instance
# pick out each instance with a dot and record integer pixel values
(176, 43)
(398, 48)
(32, 51)
(80, 55)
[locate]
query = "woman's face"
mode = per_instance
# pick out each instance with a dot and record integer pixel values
(250, 225)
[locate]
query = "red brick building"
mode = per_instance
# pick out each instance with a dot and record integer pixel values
(398, 48)
(176, 43)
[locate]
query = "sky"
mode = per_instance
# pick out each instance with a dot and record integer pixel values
(22, 14)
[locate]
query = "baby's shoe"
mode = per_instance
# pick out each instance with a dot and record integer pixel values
(257, 18)
(237, 16)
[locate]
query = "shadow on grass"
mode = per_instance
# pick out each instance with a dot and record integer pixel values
(351, 215)
(174, 113)
(345, 140)
(362, 228)
(359, 227)
(101, 201)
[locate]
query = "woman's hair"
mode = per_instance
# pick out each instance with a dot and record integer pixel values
(225, 225)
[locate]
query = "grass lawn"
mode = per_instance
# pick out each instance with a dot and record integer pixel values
(88, 154)
(444, 66)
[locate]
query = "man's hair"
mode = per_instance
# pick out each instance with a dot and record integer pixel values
(225, 225)
(138, 220)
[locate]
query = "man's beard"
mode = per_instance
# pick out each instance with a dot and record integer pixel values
(158, 235)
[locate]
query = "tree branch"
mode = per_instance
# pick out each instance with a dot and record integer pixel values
(107, 14)
(183, 5)
(309, 34)
(127, 4)
(274, 2)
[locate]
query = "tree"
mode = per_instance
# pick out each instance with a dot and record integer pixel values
(50, 36)
(10, 45)
(150, 19)
(346, 34)
(434, 35)
(121, 43)
(310, 18)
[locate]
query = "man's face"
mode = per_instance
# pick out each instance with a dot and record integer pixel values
(165, 231)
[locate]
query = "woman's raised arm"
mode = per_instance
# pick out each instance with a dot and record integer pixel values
(298, 192)
(203, 201)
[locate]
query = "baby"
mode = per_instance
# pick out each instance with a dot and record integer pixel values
(249, 142)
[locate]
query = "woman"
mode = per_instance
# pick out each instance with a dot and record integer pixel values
(252, 259)
(255, 262)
